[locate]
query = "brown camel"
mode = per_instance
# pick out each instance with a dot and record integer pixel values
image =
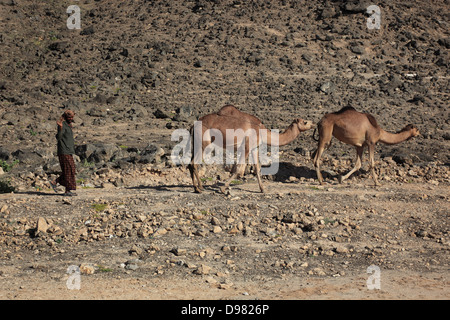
(359, 130)
(229, 120)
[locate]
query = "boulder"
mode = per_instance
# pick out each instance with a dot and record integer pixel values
(152, 153)
(356, 6)
(26, 156)
(98, 152)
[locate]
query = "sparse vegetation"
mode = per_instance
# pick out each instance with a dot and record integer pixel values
(87, 164)
(276, 60)
(99, 207)
(8, 166)
(5, 187)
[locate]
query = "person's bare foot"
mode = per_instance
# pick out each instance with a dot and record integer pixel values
(53, 185)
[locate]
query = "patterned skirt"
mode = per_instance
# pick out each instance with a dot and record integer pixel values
(67, 177)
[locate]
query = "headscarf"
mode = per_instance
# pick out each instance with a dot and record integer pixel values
(66, 115)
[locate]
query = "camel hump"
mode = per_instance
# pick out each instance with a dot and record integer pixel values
(228, 110)
(372, 120)
(347, 108)
(232, 111)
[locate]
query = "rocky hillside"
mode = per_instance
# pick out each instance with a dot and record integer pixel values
(137, 70)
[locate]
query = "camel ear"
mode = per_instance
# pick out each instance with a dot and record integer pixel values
(407, 128)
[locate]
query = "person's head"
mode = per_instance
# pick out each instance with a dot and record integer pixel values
(68, 115)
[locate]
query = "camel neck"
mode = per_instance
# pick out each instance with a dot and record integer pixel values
(394, 138)
(284, 138)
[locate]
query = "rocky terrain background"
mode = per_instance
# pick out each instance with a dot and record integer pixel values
(138, 70)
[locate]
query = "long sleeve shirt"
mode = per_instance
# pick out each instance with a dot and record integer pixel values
(66, 144)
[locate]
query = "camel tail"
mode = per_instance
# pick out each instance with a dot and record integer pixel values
(313, 155)
(314, 134)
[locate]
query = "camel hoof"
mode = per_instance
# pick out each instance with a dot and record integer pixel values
(223, 189)
(340, 180)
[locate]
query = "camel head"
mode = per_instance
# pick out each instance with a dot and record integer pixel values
(412, 129)
(303, 125)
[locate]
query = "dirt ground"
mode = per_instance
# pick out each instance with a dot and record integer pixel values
(138, 70)
(261, 250)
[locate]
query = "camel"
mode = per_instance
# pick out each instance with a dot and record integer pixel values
(357, 129)
(229, 117)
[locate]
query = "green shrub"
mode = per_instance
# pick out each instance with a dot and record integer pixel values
(8, 166)
(99, 206)
(5, 187)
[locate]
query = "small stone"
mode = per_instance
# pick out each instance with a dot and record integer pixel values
(190, 265)
(131, 266)
(318, 272)
(178, 251)
(160, 232)
(225, 286)
(107, 185)
(198, 216)
(215, 221)
(327, 87)
(87, 268)
(248, 231)
(201, 232)
(211, 280)
(234, 230)
(341, 249)
(357, 49)
(55, 230)
(202, 270)
(136, 250)
(308, 57)
(41, 226)
(199, 64)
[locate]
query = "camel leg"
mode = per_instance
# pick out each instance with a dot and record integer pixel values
(372, 163)
(199, 181)
(257, 168)
(318, 154)
(359, 153)
(192, 166)
(193, 169)
(239, 167)
(233, 176)
(325, 135)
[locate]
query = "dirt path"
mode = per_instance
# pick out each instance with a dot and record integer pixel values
(159, 240)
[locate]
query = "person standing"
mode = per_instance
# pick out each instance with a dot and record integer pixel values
(66, 150)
